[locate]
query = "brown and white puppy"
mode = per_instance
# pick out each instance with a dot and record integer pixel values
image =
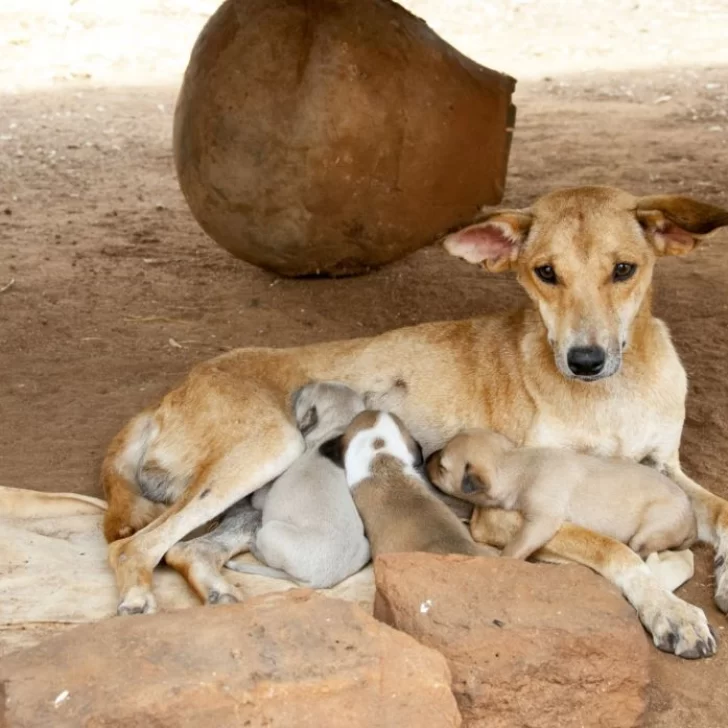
(624, 500)
(400, 512)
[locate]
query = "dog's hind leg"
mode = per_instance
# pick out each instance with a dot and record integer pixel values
(665, 524)
(531, 536)
(264, 449)
(304, 556)
(200, 560)
(675, 625)
(711, 513)
(649, 541)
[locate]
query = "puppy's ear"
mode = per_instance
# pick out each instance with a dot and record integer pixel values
(471, 483)
(675, 224)
(494, 242)
(308, 421)
(334, 450)
(301, 402)
(295, 397)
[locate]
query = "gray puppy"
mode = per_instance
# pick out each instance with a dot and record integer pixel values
(311, 531)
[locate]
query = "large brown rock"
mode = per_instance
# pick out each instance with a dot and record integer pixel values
(528, 645)
(331, 136)
(286, 659)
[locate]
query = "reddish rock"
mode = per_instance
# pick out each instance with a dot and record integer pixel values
(528, 644)
(286, 659)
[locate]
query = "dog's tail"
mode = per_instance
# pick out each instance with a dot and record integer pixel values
(128, 509)
(260, 570)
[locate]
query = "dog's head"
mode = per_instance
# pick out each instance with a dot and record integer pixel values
(464, 468)
(585, 256)
(371, 434)
(322, 408)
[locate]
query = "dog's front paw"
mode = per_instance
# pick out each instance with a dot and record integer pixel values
(137, 601)
(682, 629)
(721, 582)
(215, 596)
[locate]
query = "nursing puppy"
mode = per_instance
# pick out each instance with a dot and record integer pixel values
(399, 510)
(311, 531)
(626, 501)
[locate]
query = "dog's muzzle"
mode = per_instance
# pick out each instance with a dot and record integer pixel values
(586, 361)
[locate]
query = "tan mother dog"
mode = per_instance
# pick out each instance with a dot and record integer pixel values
(586, 367)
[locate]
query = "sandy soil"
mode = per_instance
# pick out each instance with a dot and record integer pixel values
(111, 291)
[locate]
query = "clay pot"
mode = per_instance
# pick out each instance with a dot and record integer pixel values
(334, 136)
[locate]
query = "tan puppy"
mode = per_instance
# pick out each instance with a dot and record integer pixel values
(399, 511)
(626, 501)
(585, 367)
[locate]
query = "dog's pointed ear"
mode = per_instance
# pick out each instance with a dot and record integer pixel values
(493, 242)
(675, 224)
(334, 450)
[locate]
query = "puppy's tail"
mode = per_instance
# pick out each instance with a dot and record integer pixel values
(259, 570)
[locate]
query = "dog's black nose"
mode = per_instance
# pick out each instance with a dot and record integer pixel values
(586, 361)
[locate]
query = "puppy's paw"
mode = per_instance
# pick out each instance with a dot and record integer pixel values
(671, 568)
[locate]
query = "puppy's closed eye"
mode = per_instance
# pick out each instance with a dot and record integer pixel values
(471, 484)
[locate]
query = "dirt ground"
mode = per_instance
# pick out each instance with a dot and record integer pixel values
(110, 291)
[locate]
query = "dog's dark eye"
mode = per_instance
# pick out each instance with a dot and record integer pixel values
(623, 271)
(547, 274)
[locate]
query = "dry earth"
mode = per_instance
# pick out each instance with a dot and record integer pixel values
(110, 291)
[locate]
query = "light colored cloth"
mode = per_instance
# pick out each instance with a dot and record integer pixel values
(54, 574)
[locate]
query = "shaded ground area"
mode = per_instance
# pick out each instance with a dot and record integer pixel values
(116, 293)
